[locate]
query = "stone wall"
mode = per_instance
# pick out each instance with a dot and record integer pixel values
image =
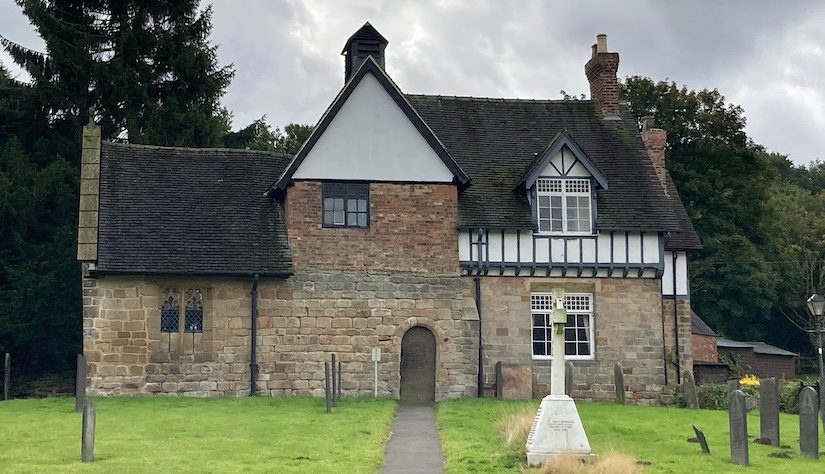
(628, 318)
(302, 321)
(704, 348)
(683, 315)
(412, 229)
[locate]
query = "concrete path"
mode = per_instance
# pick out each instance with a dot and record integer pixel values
(414, 446)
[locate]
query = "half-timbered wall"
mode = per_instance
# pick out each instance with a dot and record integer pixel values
(679, 260)
(523, 252)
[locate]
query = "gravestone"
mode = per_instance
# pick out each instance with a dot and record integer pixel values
(808, 422)
(737, 416)
(618, 381)
(568, 379)
(516, 381)
(703, 442)
(769, 411)
(733, 385)
(689, 390)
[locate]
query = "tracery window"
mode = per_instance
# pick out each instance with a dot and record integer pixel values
(170, 320)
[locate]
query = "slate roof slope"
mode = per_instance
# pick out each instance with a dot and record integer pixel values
(187, 211)
(699, 326)
(757, 346)
(495, 141)
(686, 238)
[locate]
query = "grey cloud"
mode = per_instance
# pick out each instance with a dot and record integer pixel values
(764, 56)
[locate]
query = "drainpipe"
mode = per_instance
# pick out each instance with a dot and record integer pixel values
(676, 323)
(253, 361)
(478, 311)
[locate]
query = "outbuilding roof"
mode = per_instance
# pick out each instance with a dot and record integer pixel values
(758, 347)
(186, 211)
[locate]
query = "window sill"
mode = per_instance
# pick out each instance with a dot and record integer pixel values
(564, 234)
(549, 358)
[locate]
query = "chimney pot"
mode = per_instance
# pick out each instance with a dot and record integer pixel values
(593, 50)
(601, 43)
(648, 122)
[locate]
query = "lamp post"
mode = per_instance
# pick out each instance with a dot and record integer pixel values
(816, 307)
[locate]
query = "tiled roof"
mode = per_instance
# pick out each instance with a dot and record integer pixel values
(495, 141)
(190, 211)
(687, 238)
(757, 346)
(699, 326)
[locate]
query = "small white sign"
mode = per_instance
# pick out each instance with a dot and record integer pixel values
(376, 354)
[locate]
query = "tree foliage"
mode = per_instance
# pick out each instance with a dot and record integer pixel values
(762, 228)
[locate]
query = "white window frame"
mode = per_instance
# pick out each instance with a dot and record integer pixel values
(570, 311)
(564, 193)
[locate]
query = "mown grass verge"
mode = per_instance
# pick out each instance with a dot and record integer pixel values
(474, 436)
(143, 434)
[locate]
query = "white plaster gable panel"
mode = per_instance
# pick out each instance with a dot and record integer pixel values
(370, 138)
(563, 163)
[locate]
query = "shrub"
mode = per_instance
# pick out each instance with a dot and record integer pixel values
(712, 396)
(789, 395)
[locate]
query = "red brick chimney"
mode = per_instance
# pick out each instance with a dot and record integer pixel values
(655, 140)
(601, 73)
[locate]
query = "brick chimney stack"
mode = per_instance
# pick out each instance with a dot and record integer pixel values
(655, 140)
(601, 73)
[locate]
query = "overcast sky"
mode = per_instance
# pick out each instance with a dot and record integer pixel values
(766, 56)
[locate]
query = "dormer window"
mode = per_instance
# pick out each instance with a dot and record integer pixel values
(563, 206)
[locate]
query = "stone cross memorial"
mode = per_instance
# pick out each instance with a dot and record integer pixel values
(568, 379)
(808, 423)
(738, 428)
(557, 429)
(769, 411)
(689, 390)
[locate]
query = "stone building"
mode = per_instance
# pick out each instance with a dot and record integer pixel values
(432, 227)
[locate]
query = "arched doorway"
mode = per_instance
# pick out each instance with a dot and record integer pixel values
(418, 366)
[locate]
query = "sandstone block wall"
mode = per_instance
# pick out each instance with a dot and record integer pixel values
(412, 229)
(627, 326)
(683, 316)
(302, 321)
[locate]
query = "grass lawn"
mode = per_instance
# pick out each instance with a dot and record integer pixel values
(142, 434)
(472, 437)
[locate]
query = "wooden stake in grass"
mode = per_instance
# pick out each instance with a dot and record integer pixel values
(338, 385)
(334, 402)
(7, 377)
(80, 384)
(87, 453)
(327, 387)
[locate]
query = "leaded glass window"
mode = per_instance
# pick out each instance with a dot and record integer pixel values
(194, 311)
(170, 310)
(578, 332)
(346, 205)
(563, 206)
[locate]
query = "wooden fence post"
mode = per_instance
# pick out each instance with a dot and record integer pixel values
(80, 384)
(87, 453)
(327, 387)
(338, 385)
(7, 377)
(334, 380)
